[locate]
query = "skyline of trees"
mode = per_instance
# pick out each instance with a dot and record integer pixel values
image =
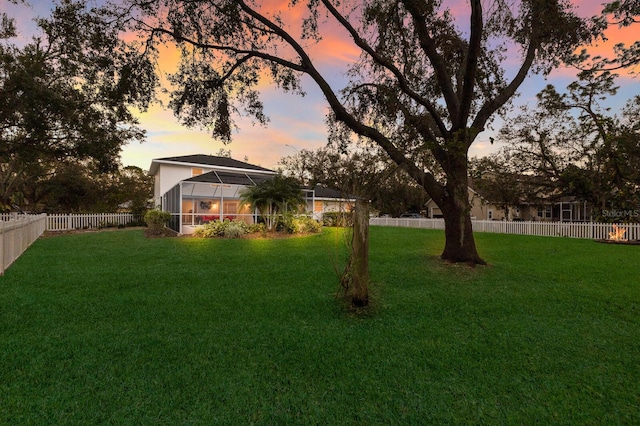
(391, 100)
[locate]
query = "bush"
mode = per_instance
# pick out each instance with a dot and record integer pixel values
(234, 230)
(256, 228)
(337, 219)
(301, 225)
(227, 228)
(157, 219)
(212, 229)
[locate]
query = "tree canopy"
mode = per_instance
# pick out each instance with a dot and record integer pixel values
(65, 97)
(426, 80)
(365, 172)
(578, 147)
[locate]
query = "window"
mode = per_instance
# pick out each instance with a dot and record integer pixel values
(490, 214)
(544, 212)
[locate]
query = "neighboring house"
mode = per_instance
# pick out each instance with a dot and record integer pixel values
(327, 200)
(197, 189)
(481, 209)
(560, 209)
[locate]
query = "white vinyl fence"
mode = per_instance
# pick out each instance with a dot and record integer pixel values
(18, 231)
(589, 230)
(67, 222)
(17, 234)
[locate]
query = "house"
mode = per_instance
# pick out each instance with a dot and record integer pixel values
(197, 189)
(549, 209)
(481, 208)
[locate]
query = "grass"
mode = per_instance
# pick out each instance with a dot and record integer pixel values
(114, 328)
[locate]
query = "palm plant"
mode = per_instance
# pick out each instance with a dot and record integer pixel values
(273, 198)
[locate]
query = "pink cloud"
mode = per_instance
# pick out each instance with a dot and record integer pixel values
(299, 122)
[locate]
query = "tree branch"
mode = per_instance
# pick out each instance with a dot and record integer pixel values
(387, 64)
(471, 65)
(429, 47)
(491, 107)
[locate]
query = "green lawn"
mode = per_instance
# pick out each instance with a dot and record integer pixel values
(114, 328)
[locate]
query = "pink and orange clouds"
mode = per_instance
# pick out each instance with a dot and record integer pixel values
(298, 123)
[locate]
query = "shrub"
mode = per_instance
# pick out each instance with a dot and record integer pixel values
(238, 228)
(227, 228)
(256, 228)
(212, 229)
(157, 219)
(337, 219)
(234, 230)
(301, 225)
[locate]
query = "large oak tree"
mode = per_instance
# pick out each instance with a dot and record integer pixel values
(426, 79)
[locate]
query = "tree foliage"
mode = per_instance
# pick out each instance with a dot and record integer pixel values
(620, 14)
(578, 147)
(273, 198)
(425, 81)
(78, 187)
(65, 96)
(365, 172)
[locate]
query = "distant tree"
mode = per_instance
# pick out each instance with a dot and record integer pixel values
(499, 182)
(64, 96)
(273, 198)
(424, 82)
(133, 188)
(224, 153)
(577, 146)
(362, 171)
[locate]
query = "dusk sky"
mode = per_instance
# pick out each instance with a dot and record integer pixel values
(298, 123)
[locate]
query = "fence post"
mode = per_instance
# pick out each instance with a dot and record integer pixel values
(1, 248)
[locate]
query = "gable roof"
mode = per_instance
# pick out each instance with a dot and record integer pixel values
(201, 160)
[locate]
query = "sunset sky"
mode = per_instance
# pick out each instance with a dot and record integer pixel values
(298, 123)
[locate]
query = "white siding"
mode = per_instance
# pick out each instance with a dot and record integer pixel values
(168, 176)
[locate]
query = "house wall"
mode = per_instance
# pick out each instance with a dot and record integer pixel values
(318, 206)
(478, 209)
(168, 176)
(433, 211)
(334, 206)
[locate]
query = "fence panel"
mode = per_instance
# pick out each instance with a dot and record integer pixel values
(16, 235)
(68, 222)
(588, 230)
(18, 231)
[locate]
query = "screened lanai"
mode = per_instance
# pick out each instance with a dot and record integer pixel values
(212, 196)
(207, 197)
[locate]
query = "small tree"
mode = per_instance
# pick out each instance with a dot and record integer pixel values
(355, 280)
(157, 221)
(273, 198)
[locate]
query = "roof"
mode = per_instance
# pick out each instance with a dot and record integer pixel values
(246, 179)
(201, 160)
(324, 192)
(249, 179)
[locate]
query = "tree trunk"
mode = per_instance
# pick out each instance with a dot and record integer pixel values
(356, 277)
(460, 246)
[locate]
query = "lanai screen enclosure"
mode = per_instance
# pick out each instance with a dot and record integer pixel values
(213, 196)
